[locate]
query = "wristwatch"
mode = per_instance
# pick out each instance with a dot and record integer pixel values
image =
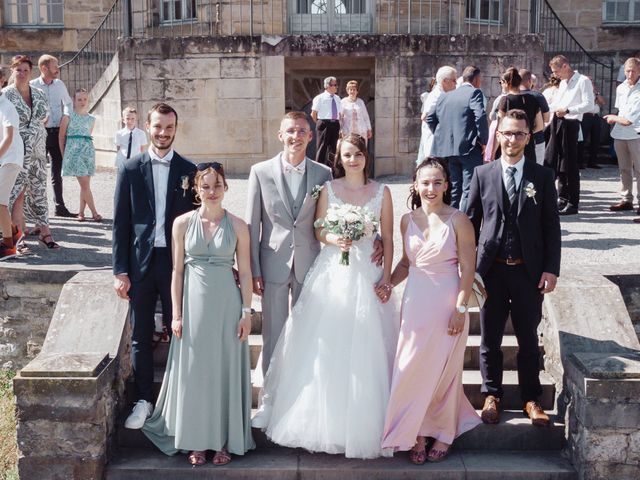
(462, 309)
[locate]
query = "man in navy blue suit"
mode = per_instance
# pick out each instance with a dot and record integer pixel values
(460, 132)
(152, 189)
(513, 207)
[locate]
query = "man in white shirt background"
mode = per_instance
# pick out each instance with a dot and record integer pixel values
(130, 140)
(326, 111)
(59, 104)
(574, 98)
(626, 135)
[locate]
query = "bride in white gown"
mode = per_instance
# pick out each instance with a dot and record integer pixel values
(327, 386)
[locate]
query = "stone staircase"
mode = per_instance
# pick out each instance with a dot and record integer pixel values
(513, 449)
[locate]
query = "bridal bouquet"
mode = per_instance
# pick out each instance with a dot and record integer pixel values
(348, 221)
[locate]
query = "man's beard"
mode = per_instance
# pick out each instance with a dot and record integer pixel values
(159, 147)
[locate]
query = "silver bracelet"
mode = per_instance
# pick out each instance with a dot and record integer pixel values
(246, 309)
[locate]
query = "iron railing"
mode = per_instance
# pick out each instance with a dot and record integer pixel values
(558, 40)
(87, 66)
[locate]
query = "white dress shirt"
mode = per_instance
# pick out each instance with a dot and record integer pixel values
(517, 177)
(293, 175)
(628, 105)
(138, 140)
(160, 168)
(576, 95)
(322, 104)
(9, 118)
(60, 102)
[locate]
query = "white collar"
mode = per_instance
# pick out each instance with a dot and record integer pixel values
(519, 165)
(165, 160)
(300, 168)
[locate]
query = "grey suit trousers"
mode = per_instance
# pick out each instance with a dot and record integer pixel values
(277, 299)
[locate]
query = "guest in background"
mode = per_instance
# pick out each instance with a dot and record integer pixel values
(517, 99)
(439, 261)
(355, 118)
(11, 154)
(326, 111)
(549, 92)
(130, 140)
(626, 134)
(574, 97)
(29, 194)
(79, 154)
(590, 127)
(205, 398)
(59, 103)
(527, 85)
(460, 133)
(445, 81)
(3, 80)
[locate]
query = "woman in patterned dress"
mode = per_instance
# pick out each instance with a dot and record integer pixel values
(79, 155)
(355, 117)
(29, 195)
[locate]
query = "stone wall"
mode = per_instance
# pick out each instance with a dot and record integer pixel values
(81, 18)
(27, 301)
(230, 91)
(583, 18)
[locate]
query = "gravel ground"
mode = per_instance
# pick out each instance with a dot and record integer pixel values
(594, 237)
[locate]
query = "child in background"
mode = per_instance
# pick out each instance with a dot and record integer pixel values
(11, 157)
(130, 141)
(79, 155)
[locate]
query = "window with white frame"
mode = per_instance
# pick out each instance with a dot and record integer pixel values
(621, 11)
(178, 10)
(36, 13)
(484, 11)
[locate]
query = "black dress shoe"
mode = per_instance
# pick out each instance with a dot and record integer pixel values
(65, 213)
(562, 204)
(595, 166)
(568, 210)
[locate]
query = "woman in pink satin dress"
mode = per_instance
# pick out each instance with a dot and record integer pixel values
(427, 397)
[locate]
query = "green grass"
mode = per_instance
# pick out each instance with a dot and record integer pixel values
(8, 445)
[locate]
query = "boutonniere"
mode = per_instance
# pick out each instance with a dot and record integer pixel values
(184, 184)
(315, 191)
(530, 190)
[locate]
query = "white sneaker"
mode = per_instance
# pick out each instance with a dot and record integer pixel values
(141, 411)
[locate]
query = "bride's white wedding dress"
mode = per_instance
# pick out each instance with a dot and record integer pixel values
(327, 386)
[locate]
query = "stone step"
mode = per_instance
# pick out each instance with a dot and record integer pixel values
(472, 381)
(471, 354)
(514, 432)
(295, 464)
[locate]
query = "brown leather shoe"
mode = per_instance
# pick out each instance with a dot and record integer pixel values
(619, 207)
(534, 411)
(491, 410)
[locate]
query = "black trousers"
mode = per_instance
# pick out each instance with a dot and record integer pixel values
(144, 295)
(53, 149)
(510, 290)
(327, 133)
(569, 170)
(590, 126)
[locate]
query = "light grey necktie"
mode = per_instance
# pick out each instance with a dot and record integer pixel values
(511, 184)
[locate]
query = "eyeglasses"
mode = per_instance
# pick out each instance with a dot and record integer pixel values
(203, 166)
(333, 84)
(511, 135)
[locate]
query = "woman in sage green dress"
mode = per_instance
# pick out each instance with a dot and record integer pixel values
(205, 398)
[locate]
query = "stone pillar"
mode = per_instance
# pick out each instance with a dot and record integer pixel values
(68, 397)
(604, 415)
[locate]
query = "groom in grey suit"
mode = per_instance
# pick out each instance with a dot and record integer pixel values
(280, 213)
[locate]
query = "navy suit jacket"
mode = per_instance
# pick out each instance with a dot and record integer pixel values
(134, 217)
(537, 221)
(459, 122)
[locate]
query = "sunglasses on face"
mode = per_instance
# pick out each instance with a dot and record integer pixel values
(203, 166)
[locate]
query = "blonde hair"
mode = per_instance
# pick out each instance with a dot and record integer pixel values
(45, 60)
(128, 110)
(352, 83)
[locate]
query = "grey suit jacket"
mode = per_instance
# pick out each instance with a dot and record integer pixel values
(459, 122)
(276, 237)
